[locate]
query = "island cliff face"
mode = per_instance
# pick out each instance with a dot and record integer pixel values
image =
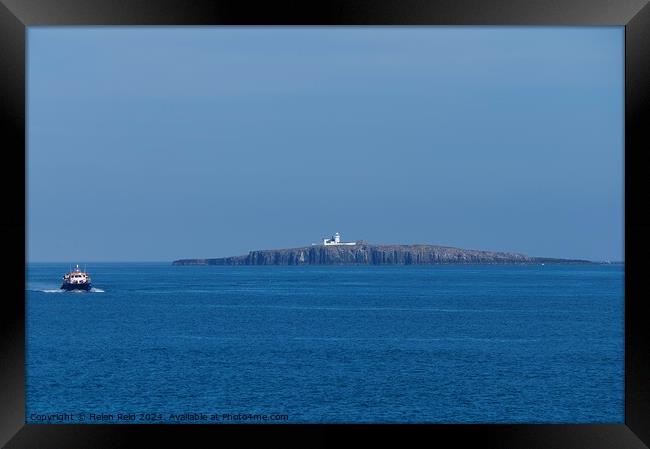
(367, 254)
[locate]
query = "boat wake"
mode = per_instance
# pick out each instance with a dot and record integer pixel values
(60, 290)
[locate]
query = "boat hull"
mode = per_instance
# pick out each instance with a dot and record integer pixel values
(85, 286)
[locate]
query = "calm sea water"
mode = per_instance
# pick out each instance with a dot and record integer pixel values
(428, 344)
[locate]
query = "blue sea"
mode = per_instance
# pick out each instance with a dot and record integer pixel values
(324, 344)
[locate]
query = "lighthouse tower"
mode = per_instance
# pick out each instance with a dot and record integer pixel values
(336, 240)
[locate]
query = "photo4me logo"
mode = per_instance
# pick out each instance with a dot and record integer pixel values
(227, 417)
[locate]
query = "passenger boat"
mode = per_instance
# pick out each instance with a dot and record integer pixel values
(76, 280)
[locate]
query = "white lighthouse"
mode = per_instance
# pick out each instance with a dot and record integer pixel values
(335, 240)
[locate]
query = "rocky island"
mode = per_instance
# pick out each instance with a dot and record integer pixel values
(334, 252)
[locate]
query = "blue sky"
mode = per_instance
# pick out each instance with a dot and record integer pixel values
(160, 143)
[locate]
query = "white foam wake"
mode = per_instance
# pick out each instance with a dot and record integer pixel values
(60, 290)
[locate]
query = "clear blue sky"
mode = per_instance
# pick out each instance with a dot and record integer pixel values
(161, 143)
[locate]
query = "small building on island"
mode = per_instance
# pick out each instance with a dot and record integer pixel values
(335, 240)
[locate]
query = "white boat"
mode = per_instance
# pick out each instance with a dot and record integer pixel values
(76, 280)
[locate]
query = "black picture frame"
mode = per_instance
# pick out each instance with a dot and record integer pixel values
(17, 15)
